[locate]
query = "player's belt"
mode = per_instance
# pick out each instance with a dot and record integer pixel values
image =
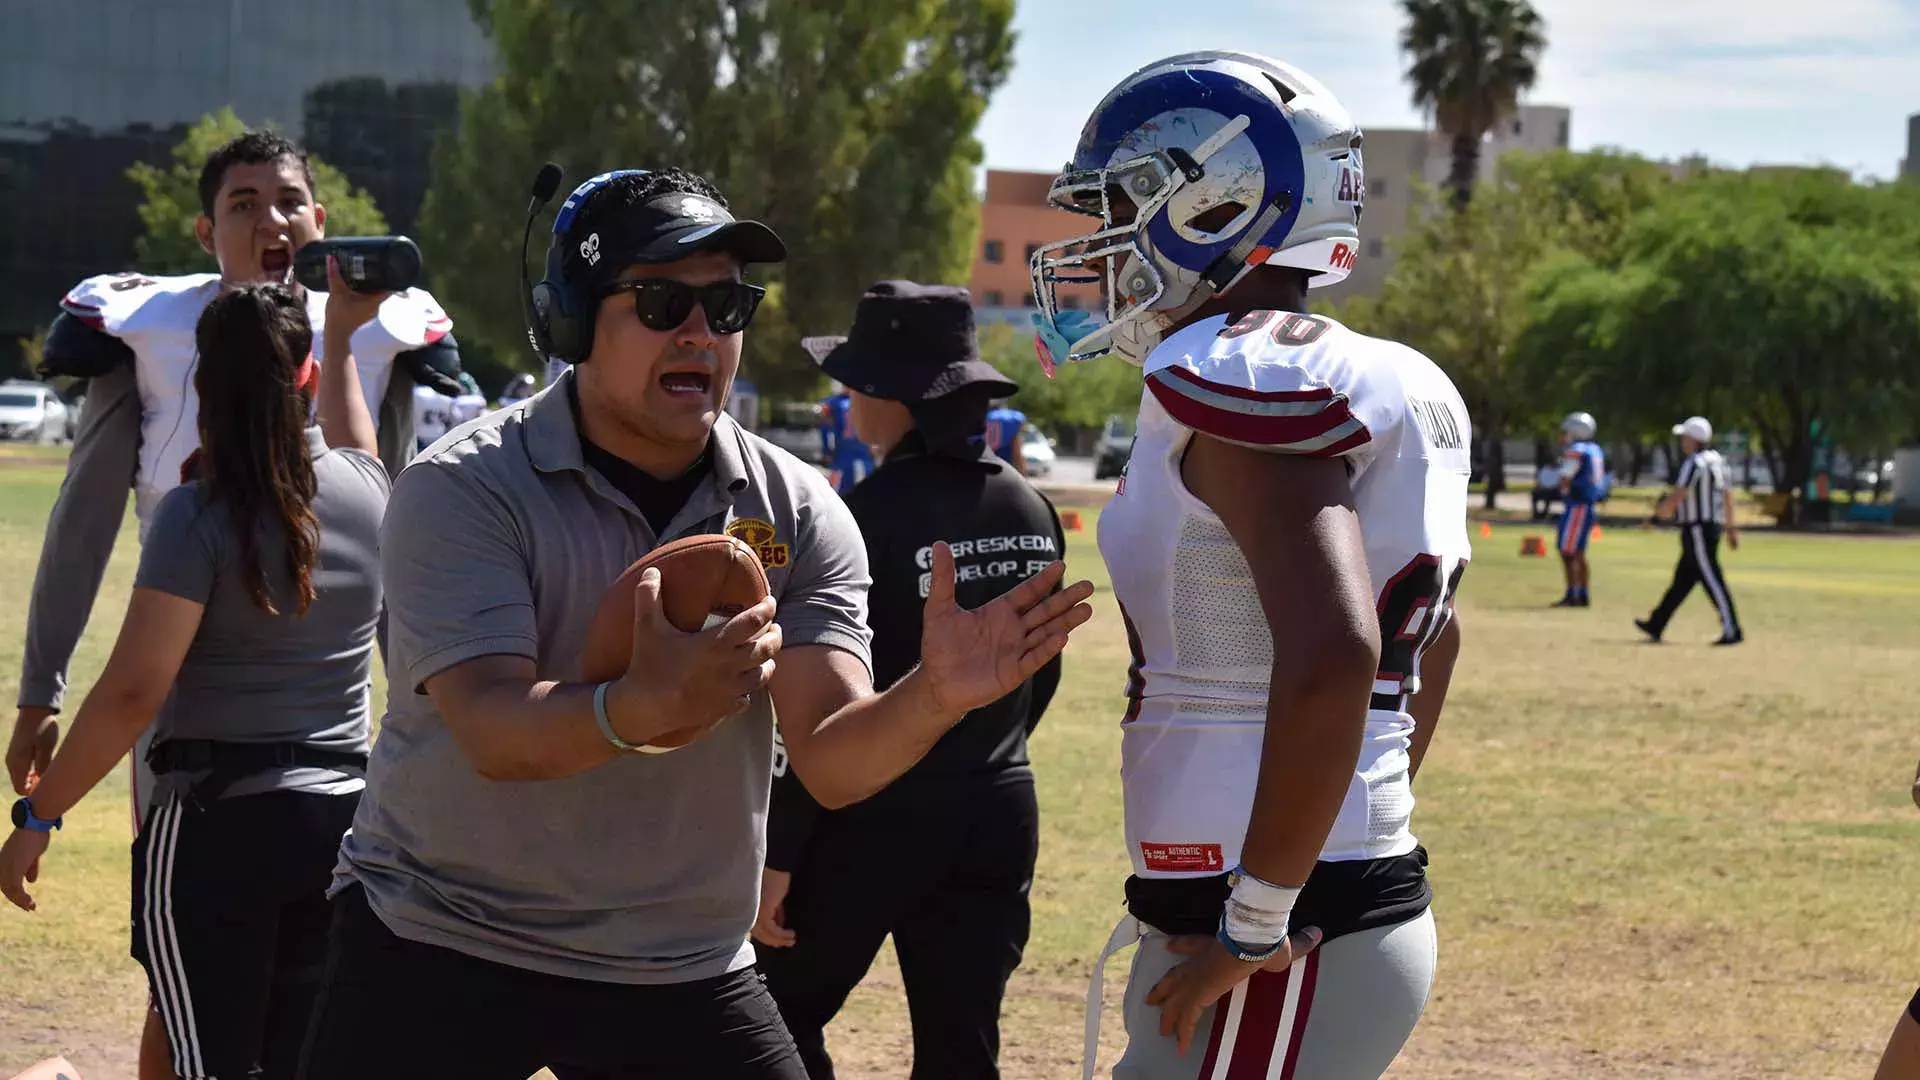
(1388, 703)
(226, 762)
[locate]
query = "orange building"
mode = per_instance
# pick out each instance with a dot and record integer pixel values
(1015, 218)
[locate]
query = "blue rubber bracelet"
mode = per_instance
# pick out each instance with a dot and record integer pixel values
(1250, 954)
(601, 718)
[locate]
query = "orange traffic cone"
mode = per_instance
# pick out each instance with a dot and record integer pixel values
(1486, 530)
(1533, 545)
(1597, 534)
(1070, 520)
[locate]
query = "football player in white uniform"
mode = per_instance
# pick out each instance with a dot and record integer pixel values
(1285, 546)
(132, 336)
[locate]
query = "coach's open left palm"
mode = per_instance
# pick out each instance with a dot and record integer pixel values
(972, 658)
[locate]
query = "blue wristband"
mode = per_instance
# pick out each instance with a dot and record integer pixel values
(1249, 953)
(601, 718)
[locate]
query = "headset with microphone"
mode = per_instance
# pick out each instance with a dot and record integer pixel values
(559, 315)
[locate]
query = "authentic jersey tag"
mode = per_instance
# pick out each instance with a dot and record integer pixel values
(1183, 858)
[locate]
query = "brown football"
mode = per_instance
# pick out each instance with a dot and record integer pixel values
(709, 574)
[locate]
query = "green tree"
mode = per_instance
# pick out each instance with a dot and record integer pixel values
(171, 200)
(1461, 287)
(1771, 301)
(847, 125)
(1468, 62)
(1078, 396)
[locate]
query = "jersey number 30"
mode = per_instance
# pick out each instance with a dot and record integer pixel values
(1415, 608)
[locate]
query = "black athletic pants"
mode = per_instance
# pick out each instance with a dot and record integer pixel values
(1699, 565)
(230, 922)
(948, 878)
(394, 1009)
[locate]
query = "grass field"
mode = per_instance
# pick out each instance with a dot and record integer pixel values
(1667, 862)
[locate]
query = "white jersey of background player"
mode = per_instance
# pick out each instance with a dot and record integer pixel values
(1285, 545)
(132, 336)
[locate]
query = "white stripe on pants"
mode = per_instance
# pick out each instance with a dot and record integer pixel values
(171, 993)
(1697, 543)
(1341, 1013)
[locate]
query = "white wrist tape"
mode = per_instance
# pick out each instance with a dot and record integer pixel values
(1257, 911)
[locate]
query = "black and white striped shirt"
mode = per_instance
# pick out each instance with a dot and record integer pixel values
(1703, 487)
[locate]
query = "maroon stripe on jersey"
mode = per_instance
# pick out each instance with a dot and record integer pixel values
(1317, 393)
(1213, 1037)
(86, 313)
(1136, 681)
(1297, 434)
(1309, 975)
(1259, 1025)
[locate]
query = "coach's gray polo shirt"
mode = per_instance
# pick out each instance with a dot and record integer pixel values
(499, 539)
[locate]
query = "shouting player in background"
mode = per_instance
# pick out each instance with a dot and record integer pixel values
(1285, 552)
(1583, 483)
(132, 336)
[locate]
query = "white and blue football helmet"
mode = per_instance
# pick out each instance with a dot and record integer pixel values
(1200, 167)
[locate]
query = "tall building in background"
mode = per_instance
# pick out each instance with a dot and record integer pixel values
(1015, 215)
(86, 90)
(1397, 157)
(1910, 165)
(1015, 218)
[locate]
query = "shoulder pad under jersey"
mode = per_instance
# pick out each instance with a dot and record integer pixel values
(1283, 382)
(125, 303)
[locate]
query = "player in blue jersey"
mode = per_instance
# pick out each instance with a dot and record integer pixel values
(1004, 425)
(847, 455)
(1583, 483)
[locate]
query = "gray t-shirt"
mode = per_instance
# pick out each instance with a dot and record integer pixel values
(252, 677)
(501, 540)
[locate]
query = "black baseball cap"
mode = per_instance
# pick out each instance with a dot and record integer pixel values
(667, 228)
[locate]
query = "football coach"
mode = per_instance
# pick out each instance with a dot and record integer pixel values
(519, 890)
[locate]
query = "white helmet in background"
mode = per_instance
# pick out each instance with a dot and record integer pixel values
(1580, 425)
(1200, 167)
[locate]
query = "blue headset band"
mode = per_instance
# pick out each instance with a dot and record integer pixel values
(569, 209)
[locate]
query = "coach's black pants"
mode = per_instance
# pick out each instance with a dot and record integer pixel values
(948, 877)
(1699, 565)
(394, 1009)
(230, 922)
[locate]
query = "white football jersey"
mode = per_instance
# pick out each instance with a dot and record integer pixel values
(1203, 652)
(433, 415)
(156, 318)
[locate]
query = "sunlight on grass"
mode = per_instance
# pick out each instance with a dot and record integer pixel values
(1670, 861)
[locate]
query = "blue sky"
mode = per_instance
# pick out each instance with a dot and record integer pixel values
(1742, 81)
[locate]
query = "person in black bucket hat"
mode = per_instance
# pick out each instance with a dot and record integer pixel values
(943, 858)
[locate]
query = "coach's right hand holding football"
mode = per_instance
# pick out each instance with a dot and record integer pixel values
(678, 680)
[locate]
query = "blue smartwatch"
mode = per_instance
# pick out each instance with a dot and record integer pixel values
(23, 818)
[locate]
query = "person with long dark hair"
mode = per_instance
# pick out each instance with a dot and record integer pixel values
(250, 634)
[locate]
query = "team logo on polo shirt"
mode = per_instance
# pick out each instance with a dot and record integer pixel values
(759, 536)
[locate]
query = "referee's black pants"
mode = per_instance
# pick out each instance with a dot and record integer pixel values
(1699, 565)
(948, 877)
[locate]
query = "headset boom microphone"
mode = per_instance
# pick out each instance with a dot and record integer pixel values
(544, 185)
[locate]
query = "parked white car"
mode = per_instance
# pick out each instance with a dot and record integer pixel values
(1038, 451)
(31, 411)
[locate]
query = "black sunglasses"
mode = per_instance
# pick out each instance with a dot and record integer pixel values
(663, 303)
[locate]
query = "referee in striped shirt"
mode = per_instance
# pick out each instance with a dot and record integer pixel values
(1702, 502)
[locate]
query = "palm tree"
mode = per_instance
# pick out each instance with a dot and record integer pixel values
(1470, 59)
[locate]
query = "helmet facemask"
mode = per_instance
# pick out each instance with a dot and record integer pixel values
(1141, 300)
